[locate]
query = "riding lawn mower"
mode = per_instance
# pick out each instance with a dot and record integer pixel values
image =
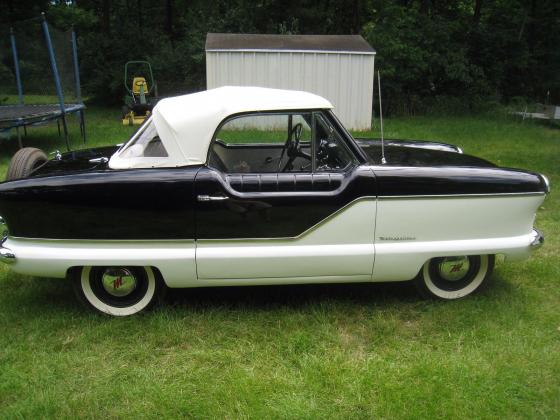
(141, 91)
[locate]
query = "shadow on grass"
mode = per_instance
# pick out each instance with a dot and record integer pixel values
(42, 295)
(263, 297)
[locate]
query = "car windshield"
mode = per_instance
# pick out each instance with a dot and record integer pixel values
(145, 144)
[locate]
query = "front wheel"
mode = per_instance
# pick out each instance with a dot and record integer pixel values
(118, 291)
(450, 278)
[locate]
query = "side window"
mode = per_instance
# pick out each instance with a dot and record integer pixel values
(331, 152)
(263, 143)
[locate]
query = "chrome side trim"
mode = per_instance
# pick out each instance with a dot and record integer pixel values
(484, 195)
(102, 241)
(539, 239)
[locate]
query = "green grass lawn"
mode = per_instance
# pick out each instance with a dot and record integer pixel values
(375, 351)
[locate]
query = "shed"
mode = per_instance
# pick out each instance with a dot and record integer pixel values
(338, 67)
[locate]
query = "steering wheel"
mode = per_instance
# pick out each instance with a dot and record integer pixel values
(328, 155)
(292, 147)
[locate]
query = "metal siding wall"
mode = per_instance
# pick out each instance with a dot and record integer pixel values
(344, 79)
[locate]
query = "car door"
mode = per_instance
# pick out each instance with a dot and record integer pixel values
(268, 209)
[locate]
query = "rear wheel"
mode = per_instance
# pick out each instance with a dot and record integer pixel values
(24, 162)
(118, 291)
(450, 278)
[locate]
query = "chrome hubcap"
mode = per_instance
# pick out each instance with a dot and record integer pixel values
(118, 282)
(454, 268)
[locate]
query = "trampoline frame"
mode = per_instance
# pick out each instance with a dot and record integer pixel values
(22, 115)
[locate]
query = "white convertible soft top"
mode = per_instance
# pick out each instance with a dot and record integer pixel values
(186, 124)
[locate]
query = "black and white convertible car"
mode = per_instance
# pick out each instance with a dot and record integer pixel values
(252, 186)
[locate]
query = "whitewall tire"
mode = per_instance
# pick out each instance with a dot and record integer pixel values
(117, 291)
(450, 278)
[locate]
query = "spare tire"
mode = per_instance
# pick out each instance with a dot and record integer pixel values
(24, 162)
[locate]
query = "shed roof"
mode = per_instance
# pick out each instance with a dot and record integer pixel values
(350, 44)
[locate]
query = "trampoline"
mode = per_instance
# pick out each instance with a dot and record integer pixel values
(21, 115)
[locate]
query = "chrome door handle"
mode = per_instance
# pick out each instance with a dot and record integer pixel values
(212, 198)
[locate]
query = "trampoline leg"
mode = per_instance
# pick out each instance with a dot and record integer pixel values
(25, 131)
(65, 127)
(83, 125)
(19, 138)
(58, 126)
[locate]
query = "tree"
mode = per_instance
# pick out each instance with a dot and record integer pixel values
(428, 50)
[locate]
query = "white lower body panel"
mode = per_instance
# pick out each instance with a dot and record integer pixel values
(52, 258)
(340, 246)
(411, 231)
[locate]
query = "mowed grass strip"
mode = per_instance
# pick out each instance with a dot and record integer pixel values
(365, 350)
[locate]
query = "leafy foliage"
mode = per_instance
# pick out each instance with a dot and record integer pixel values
(431, 53)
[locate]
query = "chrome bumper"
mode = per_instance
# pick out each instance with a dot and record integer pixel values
(7, 256)
(538, 241)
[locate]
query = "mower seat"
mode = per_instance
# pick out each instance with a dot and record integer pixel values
(140, 88)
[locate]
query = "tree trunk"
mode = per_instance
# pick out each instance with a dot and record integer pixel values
(11, 17)
(477, 10)
(106, 16)
(355, 23)
(532, 29)
(169, 17)
(139, 7)
(522, 28)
